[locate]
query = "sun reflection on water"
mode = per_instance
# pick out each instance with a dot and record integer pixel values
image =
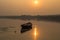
(35, 33)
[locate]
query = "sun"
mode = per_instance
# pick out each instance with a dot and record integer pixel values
(35, 1)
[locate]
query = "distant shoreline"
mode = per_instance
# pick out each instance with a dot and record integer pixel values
(55, 18)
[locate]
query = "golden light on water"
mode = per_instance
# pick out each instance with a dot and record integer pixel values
(35, 33)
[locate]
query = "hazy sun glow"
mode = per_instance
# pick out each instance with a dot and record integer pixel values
(37, 4)
(36, 1)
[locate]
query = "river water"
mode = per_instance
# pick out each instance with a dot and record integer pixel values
(46, 30)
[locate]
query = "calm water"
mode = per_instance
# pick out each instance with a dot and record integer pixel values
(46, 30)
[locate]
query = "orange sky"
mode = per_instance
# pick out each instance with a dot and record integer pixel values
(28, 7)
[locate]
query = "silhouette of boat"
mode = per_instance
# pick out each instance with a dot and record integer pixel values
(26, 27)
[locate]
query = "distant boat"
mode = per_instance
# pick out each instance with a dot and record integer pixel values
(26, 27)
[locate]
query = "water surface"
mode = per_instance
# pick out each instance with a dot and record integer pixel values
(46, 30)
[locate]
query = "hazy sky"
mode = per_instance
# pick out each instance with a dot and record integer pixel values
(28, 7)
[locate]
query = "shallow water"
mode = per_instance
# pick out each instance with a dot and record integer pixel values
(46, 30)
